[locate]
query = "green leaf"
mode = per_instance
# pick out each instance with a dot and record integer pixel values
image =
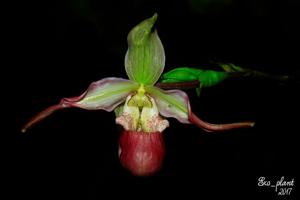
(207, 78)
(145, 57)
(180, 74)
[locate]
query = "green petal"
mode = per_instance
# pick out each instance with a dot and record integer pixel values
(145, 57)
(171, 103)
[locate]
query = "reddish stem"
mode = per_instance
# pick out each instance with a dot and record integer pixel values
(179, 85)
(217, 127)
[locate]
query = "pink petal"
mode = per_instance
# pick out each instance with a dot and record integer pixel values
(105, 94)
(175, 103)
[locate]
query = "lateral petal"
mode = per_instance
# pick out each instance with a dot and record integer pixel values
(171, 103)
(105, 94)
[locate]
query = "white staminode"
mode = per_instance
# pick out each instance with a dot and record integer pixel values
(144, 119)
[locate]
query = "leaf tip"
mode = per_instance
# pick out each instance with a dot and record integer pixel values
(154, 17)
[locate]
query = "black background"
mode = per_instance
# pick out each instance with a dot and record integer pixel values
(59, 48)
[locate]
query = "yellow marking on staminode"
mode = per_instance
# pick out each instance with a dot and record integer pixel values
(140, 99)
(141, 90)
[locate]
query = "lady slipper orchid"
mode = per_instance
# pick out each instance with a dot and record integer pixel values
(141, 108)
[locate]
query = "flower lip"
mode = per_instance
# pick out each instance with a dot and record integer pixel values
(141, 153)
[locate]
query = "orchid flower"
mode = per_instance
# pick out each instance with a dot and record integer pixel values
(141, 107)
